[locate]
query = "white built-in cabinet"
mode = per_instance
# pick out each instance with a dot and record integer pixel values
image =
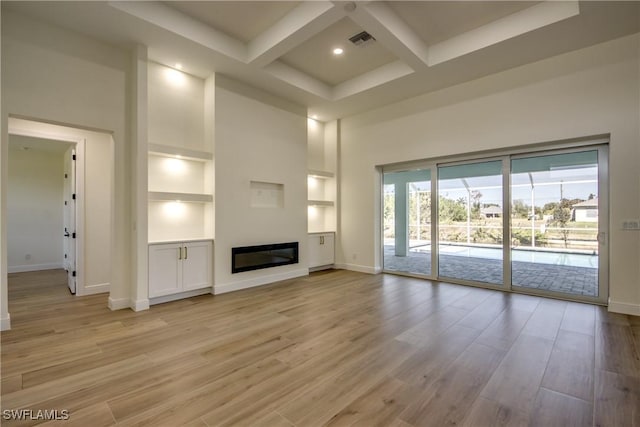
(321, 176)
(322, 152)
(179, 267)
(321, 250)
(180, 183)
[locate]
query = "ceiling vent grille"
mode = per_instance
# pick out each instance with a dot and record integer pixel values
(361, 38)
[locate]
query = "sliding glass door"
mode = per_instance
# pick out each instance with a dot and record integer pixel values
(470, 214)
(533, 222)
(407, 222)
(556, 212)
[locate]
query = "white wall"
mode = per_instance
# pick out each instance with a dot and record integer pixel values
(62, 77)
(588, 92)
(257, 139)
(34, 214)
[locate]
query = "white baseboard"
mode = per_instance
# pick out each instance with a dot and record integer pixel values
(34, 267)
(175, 297)
(359, 268)
(119, 303)
(5, 323)
(94, 289)
(140, 305)
(320, 268)
(624, 308)
(259, 281)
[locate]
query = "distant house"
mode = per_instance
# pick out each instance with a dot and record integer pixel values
(491, 212)
(586, 211)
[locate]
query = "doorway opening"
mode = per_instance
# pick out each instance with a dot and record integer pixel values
(530, 221)
(42, 209)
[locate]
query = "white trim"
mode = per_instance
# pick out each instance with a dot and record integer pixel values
(624, 308)
(321, 267)
(259, 281)
(174, 297)
(100, 288)
(140, 305)
(119, 303)
(34, 267)
(60, 136)
(5, 323)
(360, 268)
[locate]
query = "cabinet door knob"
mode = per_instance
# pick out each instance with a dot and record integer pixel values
(180, 252)
(186, 254)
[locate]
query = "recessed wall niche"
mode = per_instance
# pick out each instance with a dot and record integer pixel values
(266, 194)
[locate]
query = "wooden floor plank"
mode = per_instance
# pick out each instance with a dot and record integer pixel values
(617, 401)
(616, 350)
(580, 318)
(559, 410)
(515, 382)
(320, 404)
(426, 364)
(546, 319)
(274, 419)
(505, 329)
(97, 415)
(571, 366)
(378, 406)
(450, 398)
(489, 413)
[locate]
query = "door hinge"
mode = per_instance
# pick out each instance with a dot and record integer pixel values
(73, 274)
(73, 235)
(73, 196)
(73, 157)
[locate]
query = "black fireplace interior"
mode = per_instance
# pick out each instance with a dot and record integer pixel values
(247, 258)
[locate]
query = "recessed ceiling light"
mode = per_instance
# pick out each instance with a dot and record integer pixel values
(179, 66)
(338, 51)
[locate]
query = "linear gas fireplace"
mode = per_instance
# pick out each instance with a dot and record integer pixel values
(247, 258)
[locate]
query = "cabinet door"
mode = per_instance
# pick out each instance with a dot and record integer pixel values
(327, 249)
(320, 250)
(313, 250)
(164, 270)
(196, 265)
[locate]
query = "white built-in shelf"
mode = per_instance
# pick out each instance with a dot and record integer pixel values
(320, 203)
(183, 153)
(158, 196)
(320, 174)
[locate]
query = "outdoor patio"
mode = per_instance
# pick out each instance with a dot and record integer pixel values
(556, 278)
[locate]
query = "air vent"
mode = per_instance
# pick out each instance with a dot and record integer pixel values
(361, 38)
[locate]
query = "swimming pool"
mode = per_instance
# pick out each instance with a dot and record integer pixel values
(536, 257)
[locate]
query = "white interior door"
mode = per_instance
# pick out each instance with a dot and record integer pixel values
(70, 217)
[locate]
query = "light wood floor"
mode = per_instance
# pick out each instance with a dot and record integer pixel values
(336, 348)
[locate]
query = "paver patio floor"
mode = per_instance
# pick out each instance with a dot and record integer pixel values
(556, 278)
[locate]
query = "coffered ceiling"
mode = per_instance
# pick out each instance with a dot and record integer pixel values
(286, 47)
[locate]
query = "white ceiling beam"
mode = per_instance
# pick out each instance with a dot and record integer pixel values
(371, 79)
(299, 79)
(303, 22)
(177, 22)
(516, 24)
(392, 32)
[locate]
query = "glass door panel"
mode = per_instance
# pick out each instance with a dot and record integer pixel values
(470, 211)
(407, 221)
(554, 223)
